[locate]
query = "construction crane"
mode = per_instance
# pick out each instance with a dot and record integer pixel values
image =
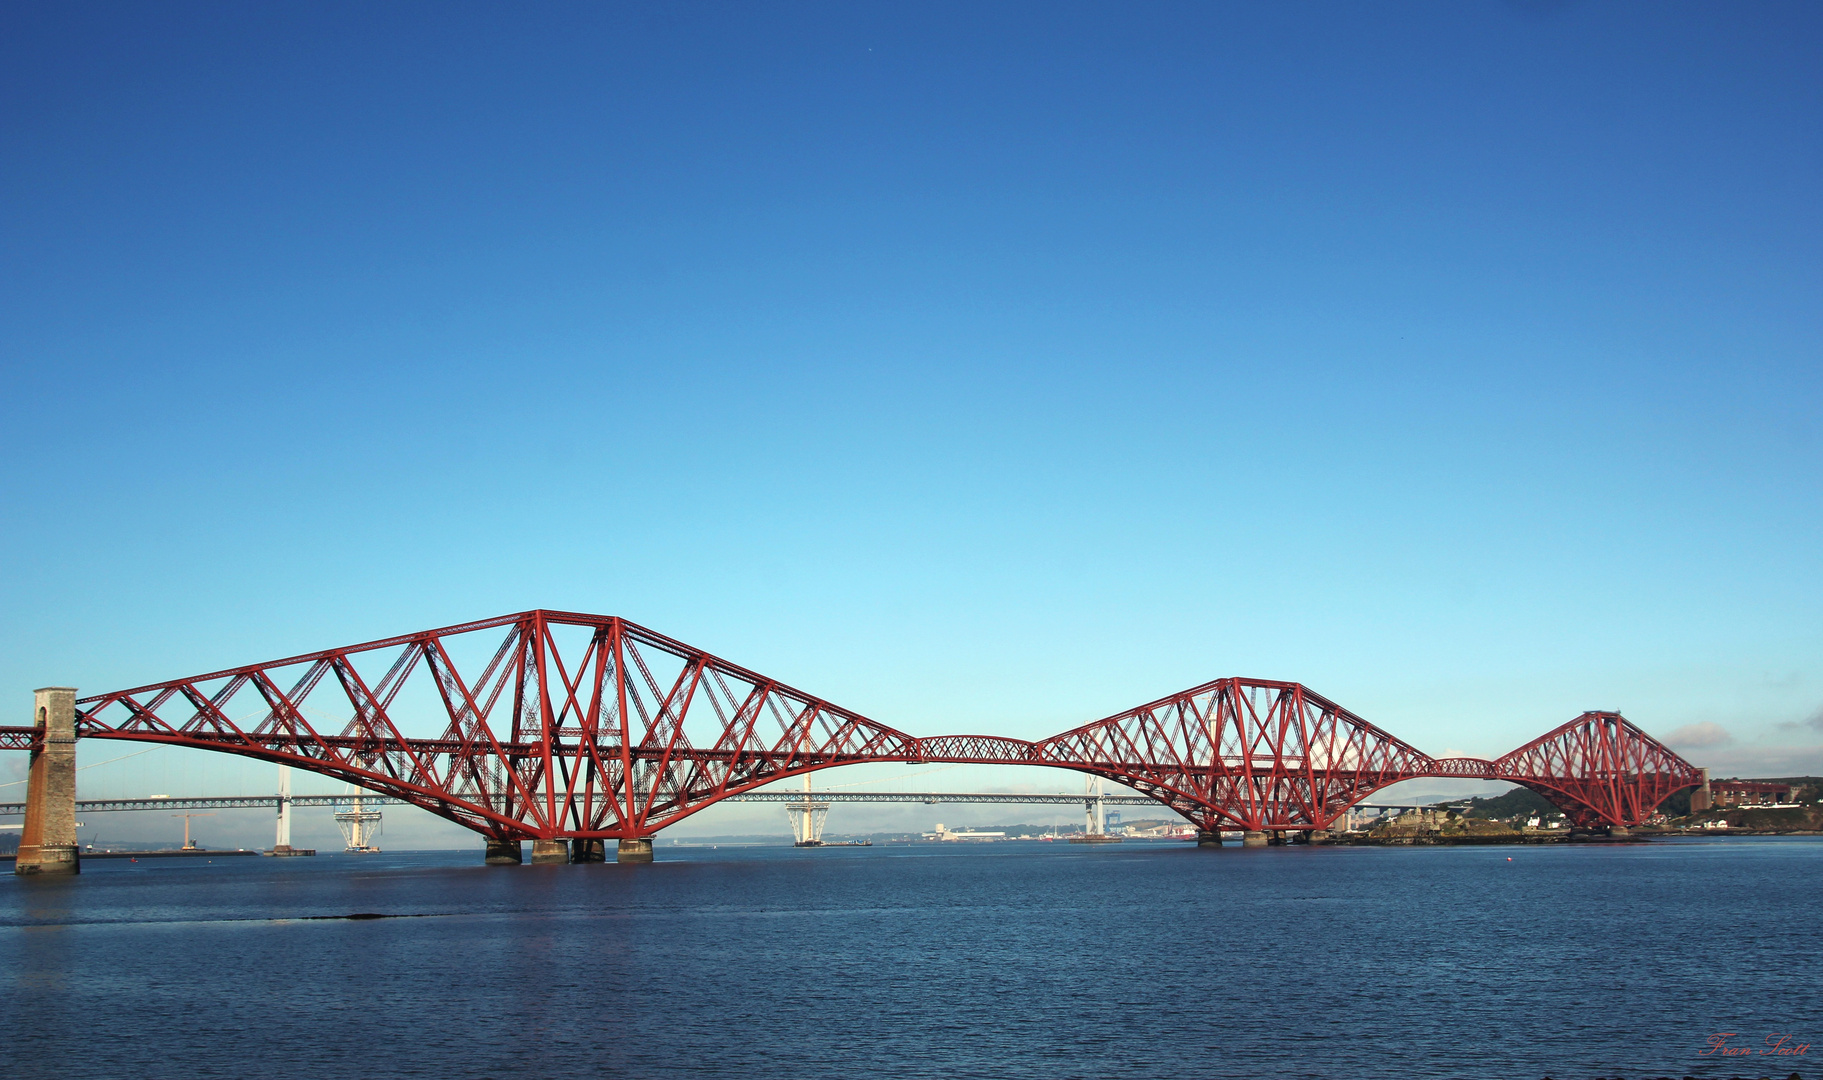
(190, 845)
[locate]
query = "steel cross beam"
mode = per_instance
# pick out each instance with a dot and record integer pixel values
(551, 724)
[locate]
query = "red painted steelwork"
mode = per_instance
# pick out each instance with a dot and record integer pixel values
(591, 727)
(1600, 769)
(1240, 753)
(579, 726)
(19, 738)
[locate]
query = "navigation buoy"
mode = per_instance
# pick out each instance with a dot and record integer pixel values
(1509, 858)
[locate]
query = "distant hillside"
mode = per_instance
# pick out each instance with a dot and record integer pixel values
(1520, 800)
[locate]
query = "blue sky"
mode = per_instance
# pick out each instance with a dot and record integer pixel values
(975, 367)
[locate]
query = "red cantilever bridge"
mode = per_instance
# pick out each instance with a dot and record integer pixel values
(552, 726)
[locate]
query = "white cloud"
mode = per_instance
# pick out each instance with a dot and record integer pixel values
(1696, 736)
(1752, 761)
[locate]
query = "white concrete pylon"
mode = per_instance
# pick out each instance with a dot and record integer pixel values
(807, 818)
(284, 831)
(1095, 806)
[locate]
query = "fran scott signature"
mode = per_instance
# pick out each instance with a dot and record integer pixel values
(1782, 1045)
(1722, 1044)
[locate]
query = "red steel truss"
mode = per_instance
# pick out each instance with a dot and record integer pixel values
(548, 725)
(577, 726)
(1242, 753)
(1599, 769)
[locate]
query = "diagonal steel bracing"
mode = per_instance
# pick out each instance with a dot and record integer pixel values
(550, 724)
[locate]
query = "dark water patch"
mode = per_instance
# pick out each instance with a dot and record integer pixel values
(1013, 961)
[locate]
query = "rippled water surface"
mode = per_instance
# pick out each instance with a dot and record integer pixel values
(1003, 960)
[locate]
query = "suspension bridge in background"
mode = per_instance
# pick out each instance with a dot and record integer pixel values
(572, 730)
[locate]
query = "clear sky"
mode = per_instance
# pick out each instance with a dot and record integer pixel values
(976, 367)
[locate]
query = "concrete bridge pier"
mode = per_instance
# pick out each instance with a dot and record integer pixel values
(504, 852)
(1253, 839)
(1619, 830)
(550, 851)
(47, 842)
(588, 851)
(636, 850)
(1208, 839)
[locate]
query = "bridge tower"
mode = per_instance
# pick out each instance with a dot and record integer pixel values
(1095, 814)
(47, 843)
(807, 819)
(360, 826)
(281, 841)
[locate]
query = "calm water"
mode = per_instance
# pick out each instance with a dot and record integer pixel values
(1009, 960)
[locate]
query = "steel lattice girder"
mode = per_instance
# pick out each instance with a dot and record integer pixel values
(19, 738)
(588, 726)
(1599, 769)
(589, 737)
(1252, 754)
